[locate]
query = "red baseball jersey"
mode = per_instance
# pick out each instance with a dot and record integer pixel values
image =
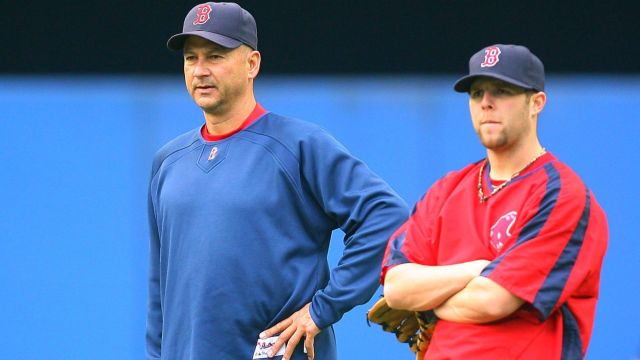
(546, 237)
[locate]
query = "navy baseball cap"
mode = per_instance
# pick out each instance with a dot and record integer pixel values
(514, 64)
(226, 24)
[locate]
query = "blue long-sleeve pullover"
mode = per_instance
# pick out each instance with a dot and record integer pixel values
(240, 234)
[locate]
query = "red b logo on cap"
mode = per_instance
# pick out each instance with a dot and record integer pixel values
(491, 56)
(203, 14)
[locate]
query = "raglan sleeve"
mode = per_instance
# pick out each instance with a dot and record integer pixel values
(561, 239)
(154, 310)
(364, 207)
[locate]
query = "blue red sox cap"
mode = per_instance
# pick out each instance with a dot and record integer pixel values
(226, 24)
(514, 64)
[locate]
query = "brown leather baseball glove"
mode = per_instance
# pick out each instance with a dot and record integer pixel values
(412, 327)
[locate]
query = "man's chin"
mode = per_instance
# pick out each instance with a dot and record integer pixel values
(492, 141)
(208, 104)
(493, 144)
(213, 108)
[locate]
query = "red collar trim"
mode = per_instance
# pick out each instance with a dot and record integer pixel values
(257, 112)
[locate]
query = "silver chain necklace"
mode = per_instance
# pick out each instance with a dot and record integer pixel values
(484, 198)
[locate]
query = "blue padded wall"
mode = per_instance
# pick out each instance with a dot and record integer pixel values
(76, 152)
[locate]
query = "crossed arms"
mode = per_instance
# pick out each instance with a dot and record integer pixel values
(455, 292)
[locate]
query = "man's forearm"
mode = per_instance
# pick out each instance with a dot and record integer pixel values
(421, 287)
(481, 301)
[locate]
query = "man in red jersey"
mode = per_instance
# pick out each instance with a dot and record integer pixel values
(507, 251)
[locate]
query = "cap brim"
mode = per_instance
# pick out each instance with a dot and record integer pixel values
(176, 42)
(464, 84)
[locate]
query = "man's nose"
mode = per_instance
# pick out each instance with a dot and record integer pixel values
(200, 69)
(487, 100)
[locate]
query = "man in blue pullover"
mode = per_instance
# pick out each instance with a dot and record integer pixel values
(241, 212)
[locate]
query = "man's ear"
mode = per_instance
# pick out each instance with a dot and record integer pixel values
(253, 63)
(538, 101)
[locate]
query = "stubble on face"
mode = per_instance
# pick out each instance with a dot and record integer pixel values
(217, 82)
(505, 120)
(502, 136)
